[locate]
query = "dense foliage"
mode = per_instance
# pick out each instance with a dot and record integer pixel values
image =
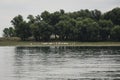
(83, 25)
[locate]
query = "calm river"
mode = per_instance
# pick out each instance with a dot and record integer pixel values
(59, 63)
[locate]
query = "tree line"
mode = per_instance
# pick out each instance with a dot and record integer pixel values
(83, 25)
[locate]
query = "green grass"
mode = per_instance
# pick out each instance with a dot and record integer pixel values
(33, 43)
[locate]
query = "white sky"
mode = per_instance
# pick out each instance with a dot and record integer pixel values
(11, 8)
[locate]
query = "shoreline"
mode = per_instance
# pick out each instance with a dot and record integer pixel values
(67, 43)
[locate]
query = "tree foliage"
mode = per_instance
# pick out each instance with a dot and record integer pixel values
(9, 32)
(113, 15)
(115, 33)
(83, 25)
(23, 31)
(105, 29)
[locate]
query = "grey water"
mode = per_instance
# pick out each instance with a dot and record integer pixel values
(59, 63)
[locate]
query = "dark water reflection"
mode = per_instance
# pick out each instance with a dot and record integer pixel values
(60, 63)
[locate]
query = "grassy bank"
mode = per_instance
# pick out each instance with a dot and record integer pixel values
(33, 43)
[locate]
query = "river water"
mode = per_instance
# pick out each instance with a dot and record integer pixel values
(59, 63)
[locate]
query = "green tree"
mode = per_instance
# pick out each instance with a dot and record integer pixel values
(115, 33)
(31, 19)
(23, 31)
(6, 32)
(46, 31)
(65, 29)
(16, 23)
(83, 25)
(71, 32)
(45, 16)
(36, 31)
(89, 30)
(41, 31)
(105, 28)
(113, 15)
(96, 15)
(22, 28)
(9, 32)
(37, 18)
(17, 20)
(82, 14)
(61, 29)
(12, 32)
(54, 19)
(62, 11)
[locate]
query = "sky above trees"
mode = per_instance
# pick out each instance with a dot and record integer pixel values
(11, 8)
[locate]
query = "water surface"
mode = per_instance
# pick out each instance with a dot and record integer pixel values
(59, 63)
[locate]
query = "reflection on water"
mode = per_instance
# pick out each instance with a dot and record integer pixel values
(60, 63)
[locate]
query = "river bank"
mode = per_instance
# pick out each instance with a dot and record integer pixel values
(67, 43)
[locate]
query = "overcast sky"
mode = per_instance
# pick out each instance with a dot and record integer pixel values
(11, 8)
